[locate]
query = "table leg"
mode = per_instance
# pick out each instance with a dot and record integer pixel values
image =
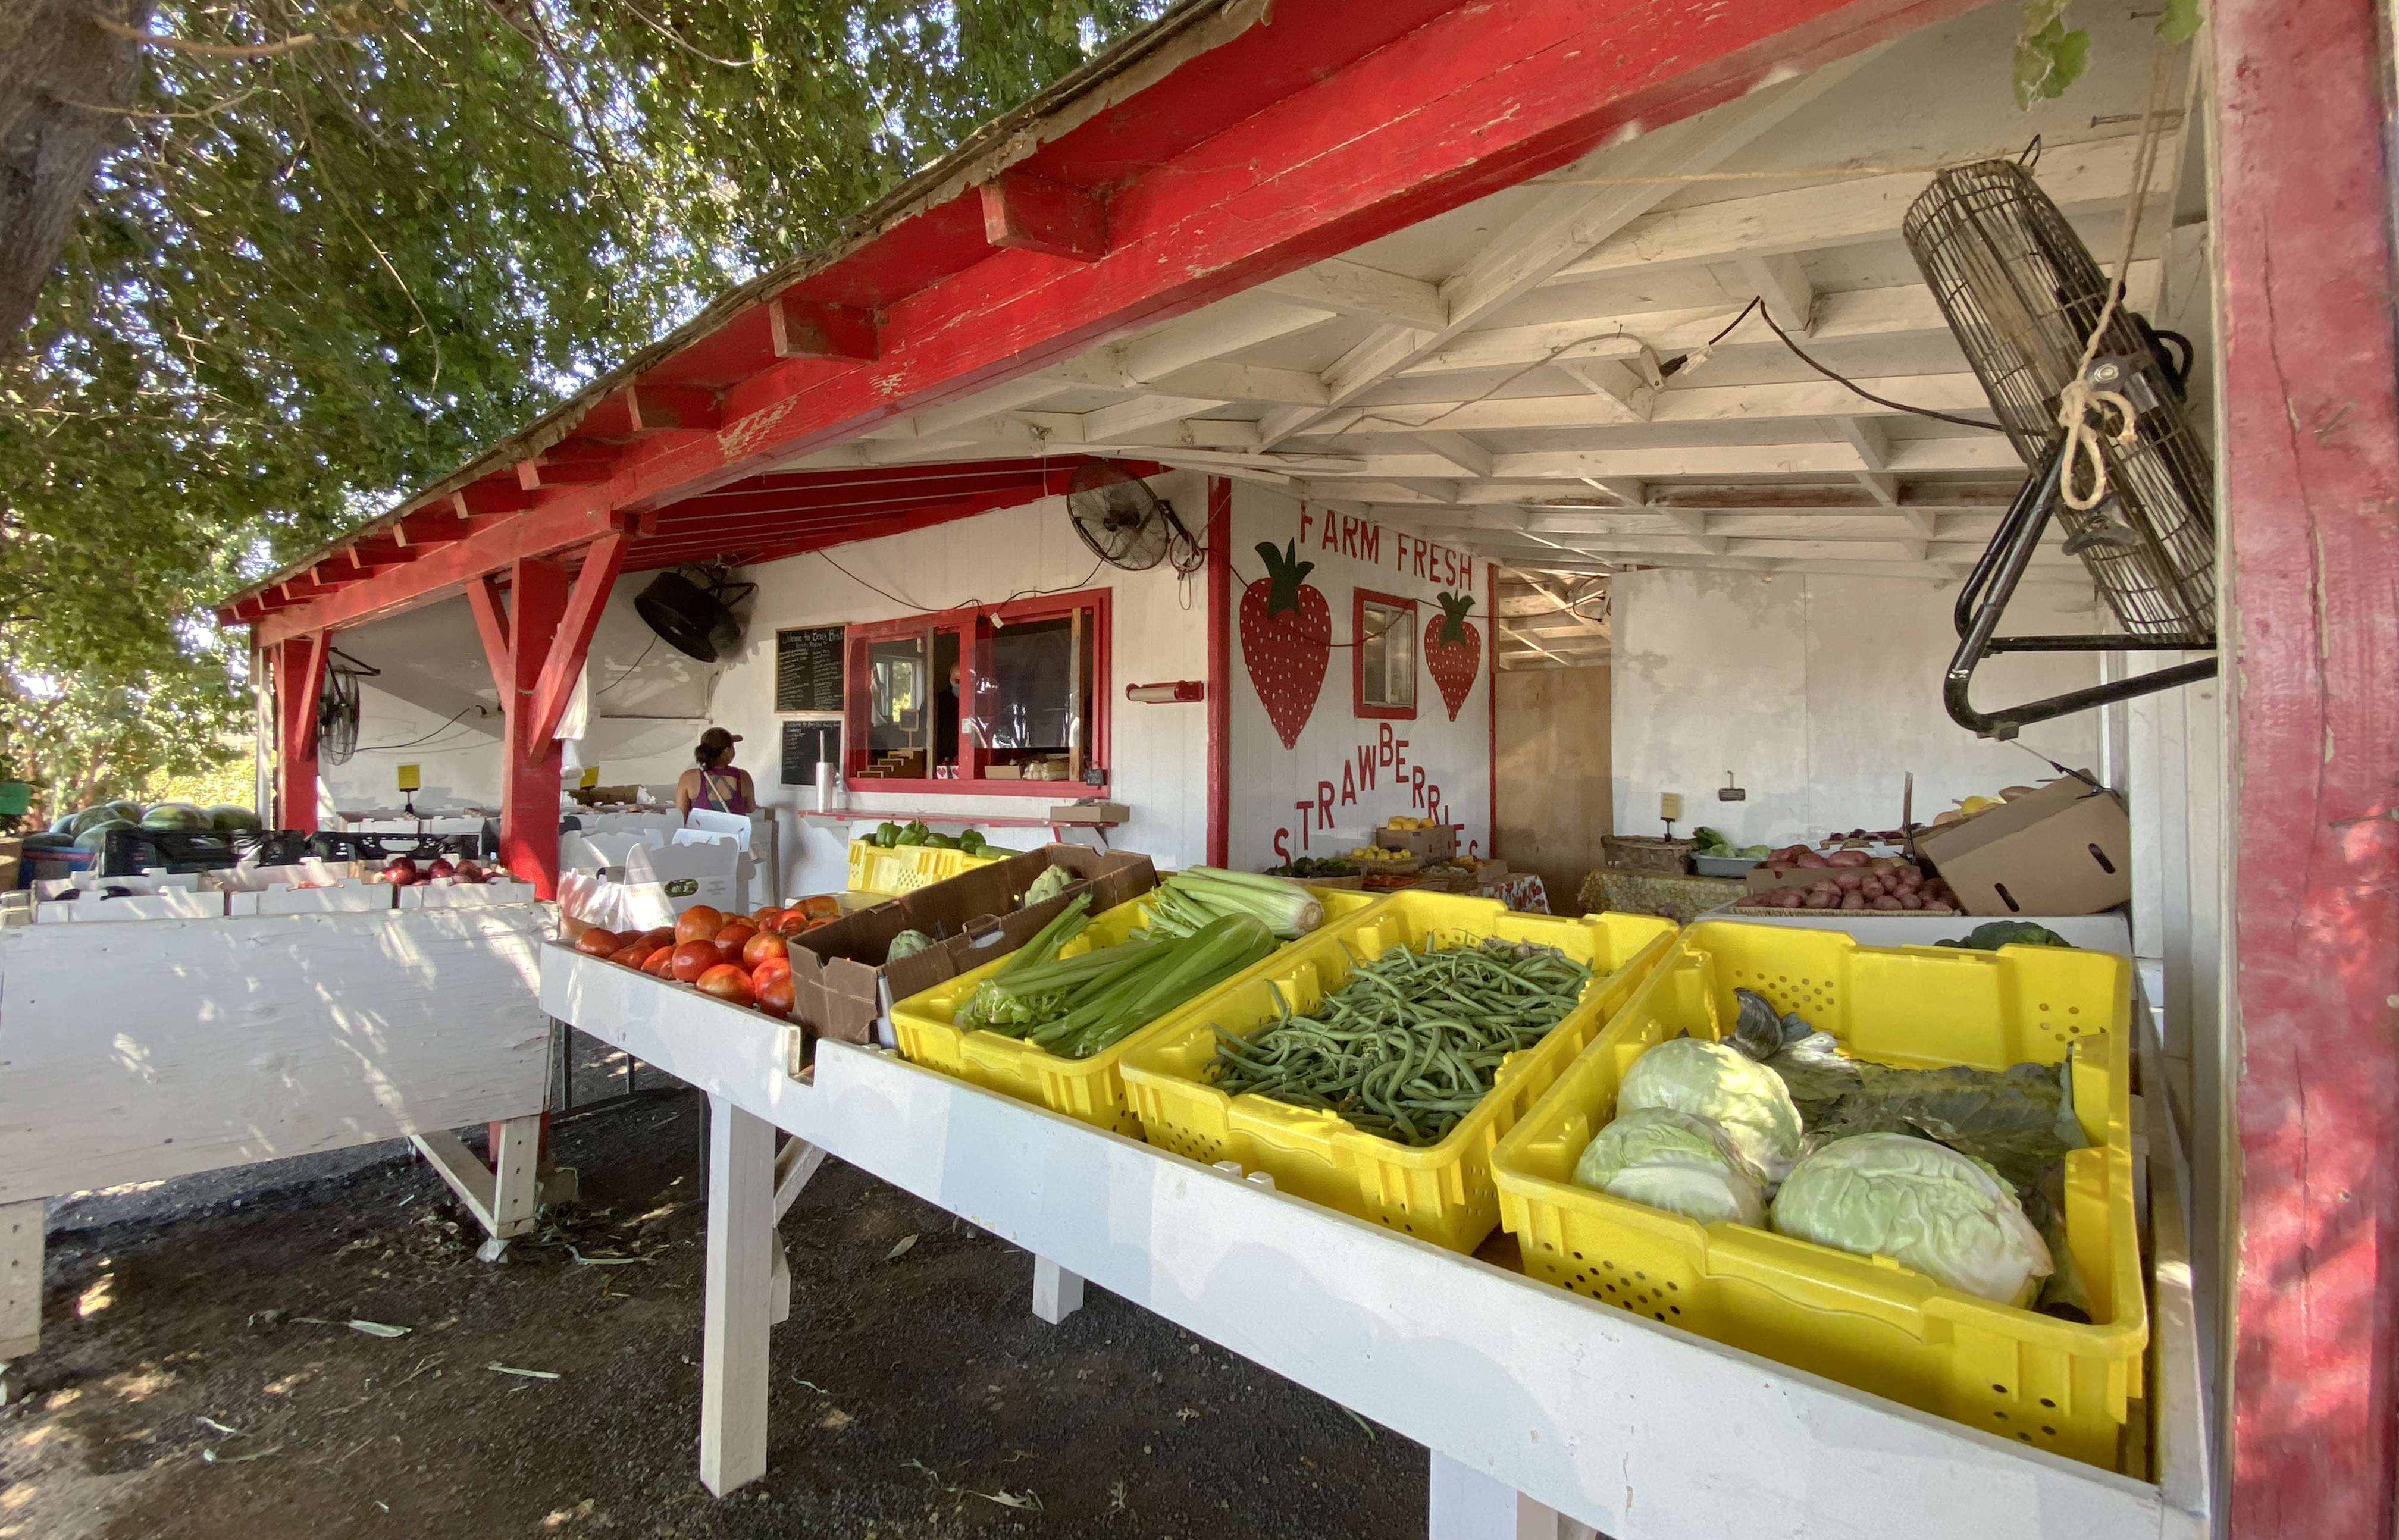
(1056, 1292)
(741, 1240)
(21, 1291)
(1468, 1504)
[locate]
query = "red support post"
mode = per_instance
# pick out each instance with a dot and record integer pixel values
(1220, 668)
(299, 682)
(2311, 510)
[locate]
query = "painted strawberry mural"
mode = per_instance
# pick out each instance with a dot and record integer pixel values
(1453, 650)
(1286, 639)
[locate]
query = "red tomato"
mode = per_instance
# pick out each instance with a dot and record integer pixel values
(792, 923)
(658, 936)
(699, 923)
(596, 942)
(773, 968)
(766, 918)
(733, 937)
(726, 982)
(632, 954)
(775, 995)
(661, 963)
(762, 946)
(694, 958)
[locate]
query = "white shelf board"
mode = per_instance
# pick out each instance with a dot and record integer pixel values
(1645, 1431)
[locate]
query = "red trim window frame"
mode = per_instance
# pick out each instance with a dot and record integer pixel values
(975, 623)
(1360, 599)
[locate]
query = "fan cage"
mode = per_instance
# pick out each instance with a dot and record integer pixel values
(1118, 515)
(2022, 293)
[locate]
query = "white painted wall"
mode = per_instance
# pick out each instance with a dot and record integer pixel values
(1158, 753)
(1819, 694)
(1326, 764)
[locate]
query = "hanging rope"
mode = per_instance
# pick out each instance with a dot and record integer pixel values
(2081, 401)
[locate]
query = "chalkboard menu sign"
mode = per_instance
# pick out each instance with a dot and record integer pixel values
(808, 669)
(803, 744)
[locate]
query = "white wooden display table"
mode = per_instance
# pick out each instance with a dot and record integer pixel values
(156, 1049)
(1545, 1412)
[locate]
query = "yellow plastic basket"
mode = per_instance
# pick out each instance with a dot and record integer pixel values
(904, 869)
(1087, 1089)
(1442, 1193)
(1866, 1322)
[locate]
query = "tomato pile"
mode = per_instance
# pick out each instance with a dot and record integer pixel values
(743, 962)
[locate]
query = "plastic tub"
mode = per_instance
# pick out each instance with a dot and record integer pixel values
(1443, 1193)
(1090, 1091)
(1866, 1322)
(905, 868)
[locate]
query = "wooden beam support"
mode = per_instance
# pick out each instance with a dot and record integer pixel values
(542, 471)
(529, 761)
(1024, 212)
(434, 524)
(563, 663)
(501, 494)
(2310, 471)
(667, 409)
(1351, 289)
(299, 685)
(805, 329)
(492, 629)
(1789, 294)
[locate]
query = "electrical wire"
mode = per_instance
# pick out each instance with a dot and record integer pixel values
(413, 742)
(630, 666)
(1857, 389)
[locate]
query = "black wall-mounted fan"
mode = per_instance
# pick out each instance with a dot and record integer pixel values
(694, 615)
(1125, 523)
(337, 707)
(2022, 294)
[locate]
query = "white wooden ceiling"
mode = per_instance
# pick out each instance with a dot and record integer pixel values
(1494, 375)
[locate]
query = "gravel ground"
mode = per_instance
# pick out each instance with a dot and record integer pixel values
(198, 1380)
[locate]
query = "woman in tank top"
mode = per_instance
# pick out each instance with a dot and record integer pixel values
(715, 783)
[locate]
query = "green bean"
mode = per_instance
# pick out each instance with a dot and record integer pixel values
(1412, 1041)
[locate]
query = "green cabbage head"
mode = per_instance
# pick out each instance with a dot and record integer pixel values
(1671, 1160)
(1748, 1101)
(1919, 1203)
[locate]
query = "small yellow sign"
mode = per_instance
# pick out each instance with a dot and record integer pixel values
(408, 778)
(592, 775)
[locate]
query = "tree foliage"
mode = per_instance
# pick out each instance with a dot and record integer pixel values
(356, 239)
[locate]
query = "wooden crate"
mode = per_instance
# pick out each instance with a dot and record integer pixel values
(1647, 852)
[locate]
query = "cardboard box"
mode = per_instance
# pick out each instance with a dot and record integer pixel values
(842, 984)
(1426, 844)
(1091, 812)
(663, 881)
(2063, 849)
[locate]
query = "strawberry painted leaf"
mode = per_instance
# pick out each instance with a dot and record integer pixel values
(1454, 608)
(1285, 572)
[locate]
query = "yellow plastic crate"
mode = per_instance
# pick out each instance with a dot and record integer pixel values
(1442, 1193)
(1866, 1322)
(904, 869)
(1087, 1089)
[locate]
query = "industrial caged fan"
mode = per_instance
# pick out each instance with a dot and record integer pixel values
(1125, 523)
(337, 707)
(2022, 294)
(694, 615)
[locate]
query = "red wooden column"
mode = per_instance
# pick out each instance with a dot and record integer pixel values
(535, 642)
(1220, 669)
(299, 681)
(2311, 477)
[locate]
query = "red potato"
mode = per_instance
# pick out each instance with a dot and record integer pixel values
(694, 958)
(1873, 887)
(1848, 879)
(1938, 908)
(596, 942)
(1887, 904)
(1822, 899)
(1810, 858)
(1907, 900)
(728, 982)
(1851, 901)
(1849, 857)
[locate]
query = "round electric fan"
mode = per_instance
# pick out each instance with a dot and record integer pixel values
(337, 712)
(1125, 523)
(694, 617)
(2022, 294)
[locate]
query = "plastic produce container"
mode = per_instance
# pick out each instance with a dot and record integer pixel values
(1443, 1193)
(1866, 1322)
(905, 868)
(1090, 1091)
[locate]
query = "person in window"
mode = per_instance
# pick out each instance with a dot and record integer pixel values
(946, 720)
(715, 783)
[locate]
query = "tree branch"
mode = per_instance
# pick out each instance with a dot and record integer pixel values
(214, 50)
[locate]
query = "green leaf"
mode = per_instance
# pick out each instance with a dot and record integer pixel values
(2048, 57)
(2180, 22)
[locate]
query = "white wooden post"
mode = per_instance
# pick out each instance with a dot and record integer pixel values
(1468, 1504)
(795, 1163)
(20, 1291)
(733, 1343)
(504, 1197)
(1056, 1292)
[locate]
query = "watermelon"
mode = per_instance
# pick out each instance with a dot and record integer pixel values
(94, 836)
(225, 819)
(50, 842)
(177, 816)
(64, 823)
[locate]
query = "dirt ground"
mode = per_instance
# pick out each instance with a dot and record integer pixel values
(199, 1379)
